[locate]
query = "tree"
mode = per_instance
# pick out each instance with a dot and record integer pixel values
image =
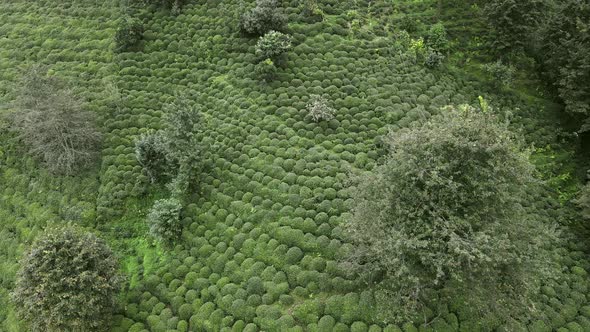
(182, 136)
(264, 17)
(436, 38)
(444, 209)
(151, 152)
(129, 34)
(164, 220)
(272, 45)
(175, 150)
(563, 52)
(52, 122)
(318, 109)
(67, 282)
(513, 21)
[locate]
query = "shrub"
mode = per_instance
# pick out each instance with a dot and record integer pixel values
(436, 38)
(408, 24)
(319, 109)
(67, 282)
(433, 59)
(255, 286)
(164, 220)
(272, 45)
(312, 11)
(266, 16)
(266, 70)
(501, 74)
(53, 123)
(444, 210)
(151, 154)
(129, 34)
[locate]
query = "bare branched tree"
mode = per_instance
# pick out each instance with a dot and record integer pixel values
(51, 121)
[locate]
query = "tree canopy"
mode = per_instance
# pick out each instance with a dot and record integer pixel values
(67, 282)
(445, 208)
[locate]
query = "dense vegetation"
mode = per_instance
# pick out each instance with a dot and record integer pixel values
(67, 282)
(444, 212)
(229, 134)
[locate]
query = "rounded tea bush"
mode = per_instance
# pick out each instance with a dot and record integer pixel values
(67, 282)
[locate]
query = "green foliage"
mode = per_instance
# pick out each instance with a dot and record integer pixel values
(409, 24)
(272, 45)
(129, 34)
(266, 70)
(67, 282)
(151, 152)
(445, 208)
(184, 125)
(319, 110)
(513, 21)
(174, 5)
(312, 12)
(266, 16)
(563, 51)
(436, 38)
(502, 75)
(52, 121)
(583, 201)
(433, 59)
(164, 220)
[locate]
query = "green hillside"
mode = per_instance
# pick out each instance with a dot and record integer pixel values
(262, 230)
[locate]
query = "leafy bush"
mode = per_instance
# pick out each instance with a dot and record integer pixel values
(436, 37)
(500, 73)
(67, 282)
(272, 45)
(266, 70)
(319, 109)
(266, 16)
(164, 220)
(445, 209)
(53, 123)
(151, 152)
(408, 24)
(433, 59)
(129, 34)
(312, 12)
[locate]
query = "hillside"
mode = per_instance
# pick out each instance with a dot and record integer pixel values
(263, 231)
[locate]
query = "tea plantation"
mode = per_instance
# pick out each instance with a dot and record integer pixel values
(262, 233)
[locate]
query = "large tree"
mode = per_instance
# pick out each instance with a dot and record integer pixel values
(67, 282)
(444, 209)
(563, 51)
(513, 21)
(50, 119)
